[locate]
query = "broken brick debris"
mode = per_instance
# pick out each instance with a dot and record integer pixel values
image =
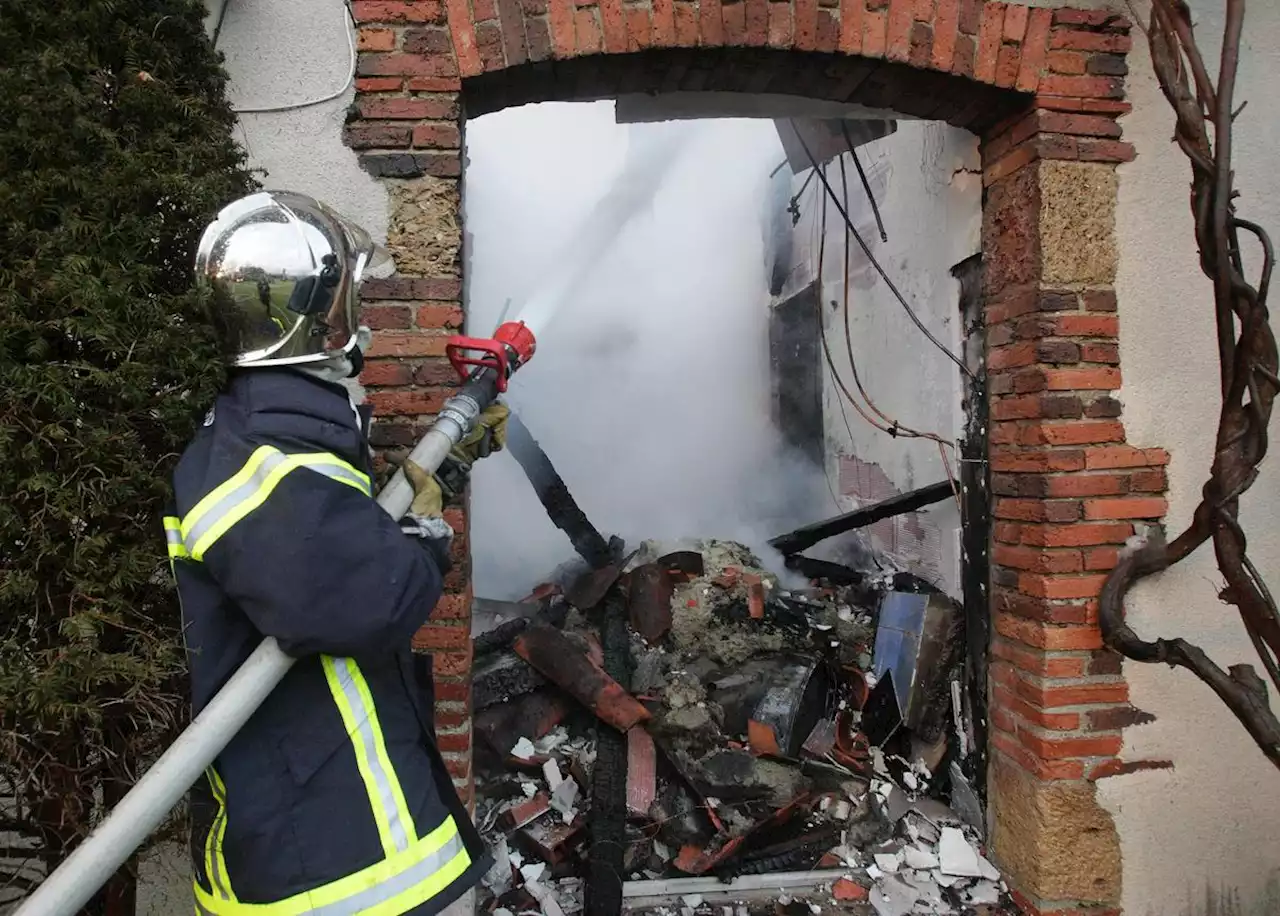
(527, 812)
(642, 772)
(764, 735)
(589, 589)
(763, 739)
(649, 602)
(565, 664)
(846, 889)
(550, 841)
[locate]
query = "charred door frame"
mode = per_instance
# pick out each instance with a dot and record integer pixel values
(975, 490)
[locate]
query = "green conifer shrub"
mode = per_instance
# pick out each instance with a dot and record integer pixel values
(116, 149)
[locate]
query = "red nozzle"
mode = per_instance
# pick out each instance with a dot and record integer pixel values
(511, 347)
(516, 334)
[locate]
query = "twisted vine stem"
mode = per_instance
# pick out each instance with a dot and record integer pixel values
(1249, 382)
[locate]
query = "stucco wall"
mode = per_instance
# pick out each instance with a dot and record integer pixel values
(925, 178)
(287, 52)
(1207, 827)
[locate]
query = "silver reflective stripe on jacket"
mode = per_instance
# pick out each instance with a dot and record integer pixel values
(249, 488)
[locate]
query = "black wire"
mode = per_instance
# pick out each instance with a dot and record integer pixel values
(848, 221)
(866, 185)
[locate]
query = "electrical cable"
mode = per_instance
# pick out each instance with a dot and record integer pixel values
(874, 262)
(866, 185)
(822, 241)
(894, 430)
(822, 331)
(348, 26)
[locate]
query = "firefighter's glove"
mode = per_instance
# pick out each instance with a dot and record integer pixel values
(425, 520)
(428, 500)
(489, 435)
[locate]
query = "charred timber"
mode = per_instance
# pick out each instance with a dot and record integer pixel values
(803, 538)
(562, 508)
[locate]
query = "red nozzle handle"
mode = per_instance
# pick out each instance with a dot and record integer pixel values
(511, 346)
(495, 357)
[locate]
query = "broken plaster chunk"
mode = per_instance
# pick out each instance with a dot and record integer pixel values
(983, 892)
(893, 898)
(989, 871)
(524, 750)
(532, 872)
(956, 856)
(564, 796)
(552, 740)
(888, 862)
(551, 772)
(692, 900)
(546, 897)
(498, 878)
(919, 858)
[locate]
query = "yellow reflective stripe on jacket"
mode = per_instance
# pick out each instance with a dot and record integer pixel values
(386, 798)
(249, 488)
(393, 886)
(173, 535)
(215, 865)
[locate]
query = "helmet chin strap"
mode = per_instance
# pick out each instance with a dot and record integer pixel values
(341, 365)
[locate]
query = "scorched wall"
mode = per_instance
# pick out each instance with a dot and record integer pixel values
(926, 177)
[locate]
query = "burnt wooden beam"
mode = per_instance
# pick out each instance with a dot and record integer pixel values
(562, 508)
(803, 538)
(608, 813)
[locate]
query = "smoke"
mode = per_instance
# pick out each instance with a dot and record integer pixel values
(650, 387)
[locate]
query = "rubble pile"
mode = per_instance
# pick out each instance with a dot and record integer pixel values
(678, 732)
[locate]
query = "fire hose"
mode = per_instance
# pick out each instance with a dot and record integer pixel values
(71, 885)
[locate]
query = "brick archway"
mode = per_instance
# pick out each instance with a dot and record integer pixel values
(1042, 88)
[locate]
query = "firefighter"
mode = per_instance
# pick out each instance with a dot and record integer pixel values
(333, 798)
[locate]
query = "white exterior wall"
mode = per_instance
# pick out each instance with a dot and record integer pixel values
(287, 52)
(1205, 831)
(926, 181)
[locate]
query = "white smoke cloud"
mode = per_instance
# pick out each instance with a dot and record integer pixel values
(650, 387)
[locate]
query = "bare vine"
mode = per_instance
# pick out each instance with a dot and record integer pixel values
(1248, 361)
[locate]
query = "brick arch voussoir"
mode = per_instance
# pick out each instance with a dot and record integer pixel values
(892, 88)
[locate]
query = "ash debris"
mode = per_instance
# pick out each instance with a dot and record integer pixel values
(678, 732)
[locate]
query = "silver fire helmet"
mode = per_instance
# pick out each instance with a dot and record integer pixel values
(287, 270)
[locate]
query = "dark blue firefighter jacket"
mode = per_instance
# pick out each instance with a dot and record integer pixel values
(333, 799)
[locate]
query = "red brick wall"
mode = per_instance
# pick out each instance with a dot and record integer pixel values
(1038, 86)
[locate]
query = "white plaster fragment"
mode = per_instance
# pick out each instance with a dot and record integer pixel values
(889, 863)
(919, 858)
(956, 856)
(551, 772)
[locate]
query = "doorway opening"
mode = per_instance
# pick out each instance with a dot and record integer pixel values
(721, 364)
